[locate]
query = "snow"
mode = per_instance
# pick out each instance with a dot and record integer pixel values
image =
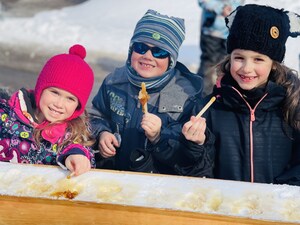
(263, 202)
(105, 27)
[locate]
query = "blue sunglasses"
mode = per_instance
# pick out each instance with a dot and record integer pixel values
(157, 52)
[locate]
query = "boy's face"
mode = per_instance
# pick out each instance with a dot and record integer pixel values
(57, 105)
(250, 69)
(147, 66)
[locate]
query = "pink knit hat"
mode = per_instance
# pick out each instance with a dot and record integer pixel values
(69, 72)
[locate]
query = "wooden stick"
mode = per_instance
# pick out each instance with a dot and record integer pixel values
(211, 101)
(146, 108)
(71, 175)
(144, 97)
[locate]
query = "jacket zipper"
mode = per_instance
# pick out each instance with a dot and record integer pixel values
(252, 119)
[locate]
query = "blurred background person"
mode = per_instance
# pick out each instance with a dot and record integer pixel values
(213, 36)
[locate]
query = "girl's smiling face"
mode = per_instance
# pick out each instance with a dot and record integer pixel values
(56, 105)
(250, 69)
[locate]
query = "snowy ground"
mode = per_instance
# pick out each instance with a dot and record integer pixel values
(105, 28)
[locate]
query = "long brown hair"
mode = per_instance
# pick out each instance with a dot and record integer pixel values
(78, 129)
(286, 77)
(289, 79)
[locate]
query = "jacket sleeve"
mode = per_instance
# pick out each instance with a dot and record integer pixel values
(99, 113)
(75, 149)
(200, 157)
(185, 157)
(291, 175)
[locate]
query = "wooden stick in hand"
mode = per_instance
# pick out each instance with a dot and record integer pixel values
(71, 174)
(211, 101)
(144, 97)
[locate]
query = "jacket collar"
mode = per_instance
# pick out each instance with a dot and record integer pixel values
(233, 96)
(22, 102)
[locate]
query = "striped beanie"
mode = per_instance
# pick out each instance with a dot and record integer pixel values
(69, 72)
(162, 31)
(261, 29)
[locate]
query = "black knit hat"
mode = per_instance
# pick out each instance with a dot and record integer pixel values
(261, 29)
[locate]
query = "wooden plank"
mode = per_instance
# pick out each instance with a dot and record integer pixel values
(27, 210)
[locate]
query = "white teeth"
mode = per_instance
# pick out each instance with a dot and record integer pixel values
(54, 111)
(246, 78)
(146, 65)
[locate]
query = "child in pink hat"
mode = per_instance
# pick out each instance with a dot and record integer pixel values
(48, 125)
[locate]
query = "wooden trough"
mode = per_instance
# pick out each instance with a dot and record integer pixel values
(31, 194)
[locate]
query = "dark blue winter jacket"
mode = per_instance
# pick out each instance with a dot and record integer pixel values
(119, 111)
(253, 143)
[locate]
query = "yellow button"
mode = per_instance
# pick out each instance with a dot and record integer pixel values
(274, 31)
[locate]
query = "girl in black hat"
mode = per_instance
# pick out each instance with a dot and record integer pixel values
(256, 117)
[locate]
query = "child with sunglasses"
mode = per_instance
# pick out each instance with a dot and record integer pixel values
(256, 117)
(129, 139)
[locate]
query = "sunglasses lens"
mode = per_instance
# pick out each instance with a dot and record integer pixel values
(140, 48)
(157, 52)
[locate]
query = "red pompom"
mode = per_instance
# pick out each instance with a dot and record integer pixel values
(78, 50)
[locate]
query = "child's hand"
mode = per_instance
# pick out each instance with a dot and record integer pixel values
(152, 126)
(107, 144)
(194, 129)
(78, 164)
